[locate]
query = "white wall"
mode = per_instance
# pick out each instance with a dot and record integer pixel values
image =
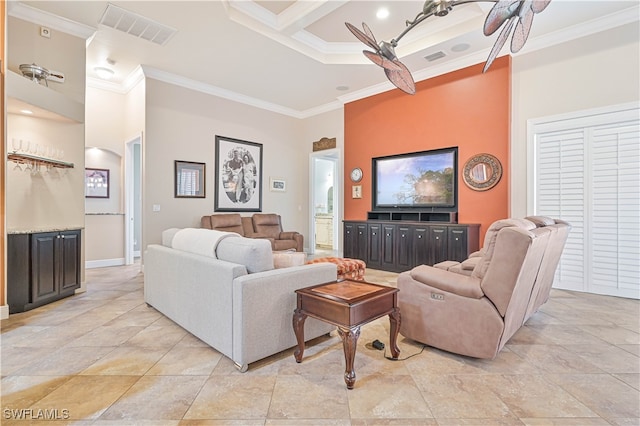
(48, 199)
(595, 71)
(181, 124)
(105, 120)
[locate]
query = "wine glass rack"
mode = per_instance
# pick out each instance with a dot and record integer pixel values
(21, 158)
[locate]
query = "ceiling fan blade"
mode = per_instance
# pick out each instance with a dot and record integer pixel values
(401, 79)
(539, 5)
(521, 32)
(362, 37)
(499, 13)
(381, 61)
(504, 34)
(369, 33)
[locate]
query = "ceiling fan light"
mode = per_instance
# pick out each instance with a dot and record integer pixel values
(442, 8)
(104, 73)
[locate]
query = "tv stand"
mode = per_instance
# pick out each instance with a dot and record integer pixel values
(413, 216)
(398, 241)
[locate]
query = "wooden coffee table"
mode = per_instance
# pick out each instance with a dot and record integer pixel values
(348, 305)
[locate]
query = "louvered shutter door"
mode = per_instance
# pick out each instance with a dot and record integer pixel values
(589, 175)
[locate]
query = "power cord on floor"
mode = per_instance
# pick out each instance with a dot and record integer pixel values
(377, 344)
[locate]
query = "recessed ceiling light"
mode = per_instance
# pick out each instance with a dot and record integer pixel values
(104, 73)
(382, 13)
(342, 88)
(26, 111)
(460, 47)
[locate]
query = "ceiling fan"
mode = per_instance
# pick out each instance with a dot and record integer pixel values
(510, 13)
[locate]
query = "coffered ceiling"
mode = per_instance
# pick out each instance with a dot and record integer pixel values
(294, 57)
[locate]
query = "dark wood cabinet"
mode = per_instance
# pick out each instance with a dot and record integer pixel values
(399, 246)
(41, 268)
(374, 245)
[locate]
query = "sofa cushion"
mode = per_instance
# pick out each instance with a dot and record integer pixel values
(254, 253)
(167, 236)
(199, 241)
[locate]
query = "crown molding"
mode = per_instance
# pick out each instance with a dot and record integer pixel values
(55, 22)
(567, 34)
(209, 89)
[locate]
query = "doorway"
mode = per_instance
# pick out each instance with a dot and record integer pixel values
(133, 200)
(325, 201)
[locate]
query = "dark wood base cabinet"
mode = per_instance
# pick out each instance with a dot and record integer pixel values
(400, 246)
(41, 268)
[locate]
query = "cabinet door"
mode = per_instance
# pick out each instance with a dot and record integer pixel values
(457, 244)
(361, 242)
(374, 245)
(387, 257)
(69, 260)
(420, 245)
(437, 244)
(349, 249)
(44, 282)
(404, 252)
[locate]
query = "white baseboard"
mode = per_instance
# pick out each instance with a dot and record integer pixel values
(103, 263)
(4, 311)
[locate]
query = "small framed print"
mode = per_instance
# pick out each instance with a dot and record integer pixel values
(189, 179)
(96, 183)
(356, 191)
(277, 185)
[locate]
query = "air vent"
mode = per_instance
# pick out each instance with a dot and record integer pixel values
(435, 56)
(136, 25)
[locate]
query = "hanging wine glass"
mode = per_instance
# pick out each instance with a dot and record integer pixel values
(17, 167)
(16, 144)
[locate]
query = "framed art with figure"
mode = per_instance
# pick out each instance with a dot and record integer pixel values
(238, 175)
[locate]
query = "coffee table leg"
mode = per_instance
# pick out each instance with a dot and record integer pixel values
(298, 328)
(349, 338)
(394, 320)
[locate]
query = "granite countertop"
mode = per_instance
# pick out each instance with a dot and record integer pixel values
(44, 229)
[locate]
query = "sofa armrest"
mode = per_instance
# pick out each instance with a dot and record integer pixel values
(289, 235)
(263, 305)
(462, 285)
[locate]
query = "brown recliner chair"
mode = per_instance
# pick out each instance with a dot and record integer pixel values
(475, 315)
(231, 222)
(270, 225)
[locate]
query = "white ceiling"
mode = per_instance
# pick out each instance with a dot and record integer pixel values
(292, 56)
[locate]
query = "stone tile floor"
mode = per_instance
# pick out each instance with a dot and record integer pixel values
(103, 357)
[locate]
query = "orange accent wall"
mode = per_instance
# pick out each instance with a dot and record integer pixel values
(465, 108)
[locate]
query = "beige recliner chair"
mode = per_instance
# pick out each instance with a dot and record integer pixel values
(476, 314)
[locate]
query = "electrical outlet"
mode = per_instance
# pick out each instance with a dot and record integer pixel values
(45, 32)
(437, 296)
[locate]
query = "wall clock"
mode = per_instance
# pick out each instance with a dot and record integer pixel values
(356, 174)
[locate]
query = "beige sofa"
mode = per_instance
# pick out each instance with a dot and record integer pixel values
(260, 225)
(476, 313)
(223, 289)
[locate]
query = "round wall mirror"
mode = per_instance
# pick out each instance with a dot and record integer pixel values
(482, 172)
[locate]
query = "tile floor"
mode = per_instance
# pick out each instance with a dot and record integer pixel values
(103, 357)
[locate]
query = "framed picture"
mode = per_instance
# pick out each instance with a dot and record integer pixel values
(238, 175)
(189, 179)
(96, 183)
(277, 184)
(356, 191)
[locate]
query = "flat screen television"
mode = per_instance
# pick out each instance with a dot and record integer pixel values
(425, 180)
